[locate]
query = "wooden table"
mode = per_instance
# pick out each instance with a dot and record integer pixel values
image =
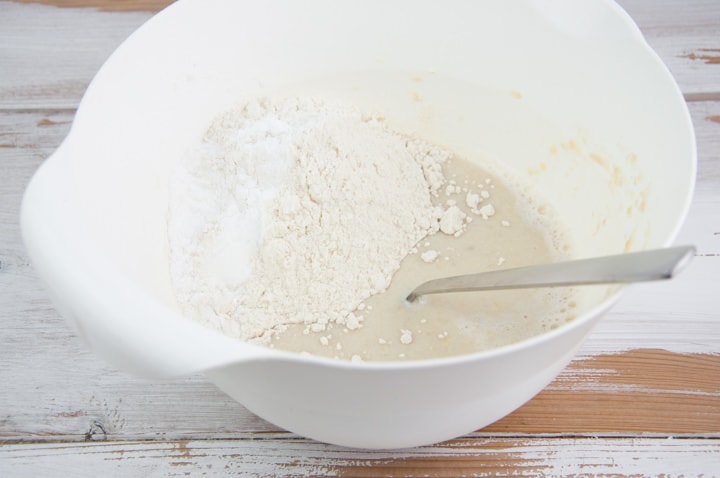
(642, 397)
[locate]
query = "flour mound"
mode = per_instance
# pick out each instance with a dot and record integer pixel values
(294, 211)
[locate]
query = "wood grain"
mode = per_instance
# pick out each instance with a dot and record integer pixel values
(49, 55)
(289, 456)
(640, 391)
(107, 5)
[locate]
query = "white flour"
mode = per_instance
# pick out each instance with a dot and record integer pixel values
(294, 212)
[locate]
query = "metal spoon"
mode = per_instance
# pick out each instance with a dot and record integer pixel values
(649, 265)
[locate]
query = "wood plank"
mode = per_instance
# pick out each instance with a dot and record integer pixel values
(668, 17)
(283, 455)
(49, 55)
(639, 391)
(107, 5)
(686, 35)
(706, 120)
(643, 391)
(650, 16)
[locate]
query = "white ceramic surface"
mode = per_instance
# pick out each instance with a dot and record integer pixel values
(562, 96)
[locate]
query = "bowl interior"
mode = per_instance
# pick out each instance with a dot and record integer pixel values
(567, 100)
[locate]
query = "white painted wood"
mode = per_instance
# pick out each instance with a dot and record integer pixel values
(706, 119)
(682, 33)
(290, 457)
(50, 54)
(56, 393)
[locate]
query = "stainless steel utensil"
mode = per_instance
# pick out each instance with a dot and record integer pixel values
(642, 266)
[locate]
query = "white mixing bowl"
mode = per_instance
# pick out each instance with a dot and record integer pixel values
(563, 95)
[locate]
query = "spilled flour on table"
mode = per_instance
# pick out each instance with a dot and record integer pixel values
(295, 211)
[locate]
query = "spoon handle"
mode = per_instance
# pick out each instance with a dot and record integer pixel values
(641, 266)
